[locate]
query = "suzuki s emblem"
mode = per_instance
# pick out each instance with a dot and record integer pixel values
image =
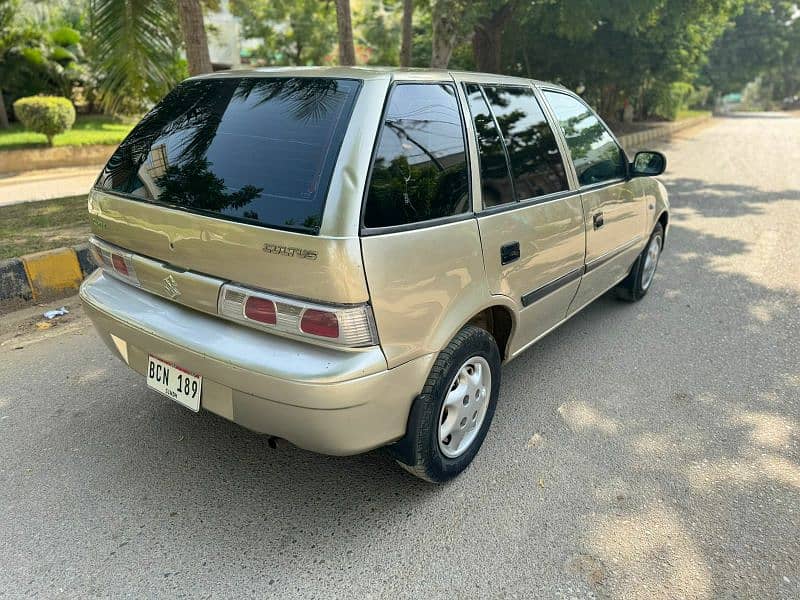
(170, 287)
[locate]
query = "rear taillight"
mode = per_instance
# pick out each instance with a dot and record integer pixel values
(119, 264)
(351, 325)
(261, 310)
(320, 322)
(114, 260)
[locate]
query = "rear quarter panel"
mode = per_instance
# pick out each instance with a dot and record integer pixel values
(425, 285)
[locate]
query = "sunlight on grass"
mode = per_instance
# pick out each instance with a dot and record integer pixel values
(87, 130)
(691, 114)
(35, 226)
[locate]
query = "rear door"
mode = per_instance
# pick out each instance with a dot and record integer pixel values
(614, 208)
(420, 241)
(531, 221)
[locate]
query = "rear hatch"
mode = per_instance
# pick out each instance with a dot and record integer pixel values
(216, 200)
(226, 180)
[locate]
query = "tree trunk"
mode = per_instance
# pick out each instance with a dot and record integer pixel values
(445, 30)
(405, 47)
(194, 36)
(347, 52)
(487, 43)
(3, 114)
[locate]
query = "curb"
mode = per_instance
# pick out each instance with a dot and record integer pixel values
(32, 159)
(44, 275)
(635, 140)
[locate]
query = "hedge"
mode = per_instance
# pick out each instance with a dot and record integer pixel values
(49, 115)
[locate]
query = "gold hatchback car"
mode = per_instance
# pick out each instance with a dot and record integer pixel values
(344, 257)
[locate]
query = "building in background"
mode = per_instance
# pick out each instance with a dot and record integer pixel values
(224, 38)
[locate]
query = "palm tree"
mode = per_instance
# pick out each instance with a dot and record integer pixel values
(347, 52)
(194, 36)
(134, 44)
(405, 46)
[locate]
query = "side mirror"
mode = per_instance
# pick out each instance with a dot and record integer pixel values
(648, 164)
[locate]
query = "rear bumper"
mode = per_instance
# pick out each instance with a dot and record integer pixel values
(325, 400)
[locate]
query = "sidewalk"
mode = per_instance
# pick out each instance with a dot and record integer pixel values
(46, 184)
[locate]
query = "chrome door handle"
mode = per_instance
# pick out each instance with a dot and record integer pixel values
(597, 220)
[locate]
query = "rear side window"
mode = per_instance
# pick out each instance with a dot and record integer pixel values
(258, 150)
(496, 187)
(596, 155)
(536, 163)
(420, 167)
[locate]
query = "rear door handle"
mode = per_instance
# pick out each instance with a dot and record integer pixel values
(509, 253)
(597, 219)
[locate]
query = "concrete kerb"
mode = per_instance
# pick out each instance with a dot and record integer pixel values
(31, 159)
(44, 275)
(635, 140)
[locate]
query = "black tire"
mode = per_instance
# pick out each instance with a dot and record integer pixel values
(419, 452)
(631, 288)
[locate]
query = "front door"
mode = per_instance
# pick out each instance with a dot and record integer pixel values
(613, 208)
(531, 223)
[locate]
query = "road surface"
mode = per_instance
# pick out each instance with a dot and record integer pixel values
(640, 451)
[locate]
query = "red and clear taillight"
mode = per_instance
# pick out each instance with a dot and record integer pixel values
(351, 325)
(114, 260)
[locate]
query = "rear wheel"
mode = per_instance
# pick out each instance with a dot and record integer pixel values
(636, 285)
(450, 418)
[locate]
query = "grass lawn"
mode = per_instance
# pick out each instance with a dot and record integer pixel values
(34, 226)
(690, 114)
(87, 130)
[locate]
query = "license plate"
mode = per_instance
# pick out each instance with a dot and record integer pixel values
(174, 382)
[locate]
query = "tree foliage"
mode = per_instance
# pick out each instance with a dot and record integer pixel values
(618, 52)
(653, 55)
(763, 40)
(36, 59)
(380, 26)
(292, 32)
(135, 44)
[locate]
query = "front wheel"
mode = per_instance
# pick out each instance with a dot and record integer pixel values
(638, 282)
(450, 418)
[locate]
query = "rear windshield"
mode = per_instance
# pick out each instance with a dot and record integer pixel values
(258, 150)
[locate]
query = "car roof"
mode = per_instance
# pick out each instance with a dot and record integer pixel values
(369, 72)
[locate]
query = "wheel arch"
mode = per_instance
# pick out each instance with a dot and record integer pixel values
(663, 220)
(499, 319)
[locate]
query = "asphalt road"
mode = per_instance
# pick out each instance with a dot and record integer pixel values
(640, 451)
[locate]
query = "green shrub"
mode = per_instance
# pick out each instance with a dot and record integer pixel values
(699, 98)
(49, 115)
(670, 99)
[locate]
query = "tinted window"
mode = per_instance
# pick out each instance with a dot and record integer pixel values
(255, 149)
(496, 185)
(532, 150)
(420, 168)
(596, 155)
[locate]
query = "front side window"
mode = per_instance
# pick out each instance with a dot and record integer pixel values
(536, 163)
(420, 168)
(258, 150)
(596, 155)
